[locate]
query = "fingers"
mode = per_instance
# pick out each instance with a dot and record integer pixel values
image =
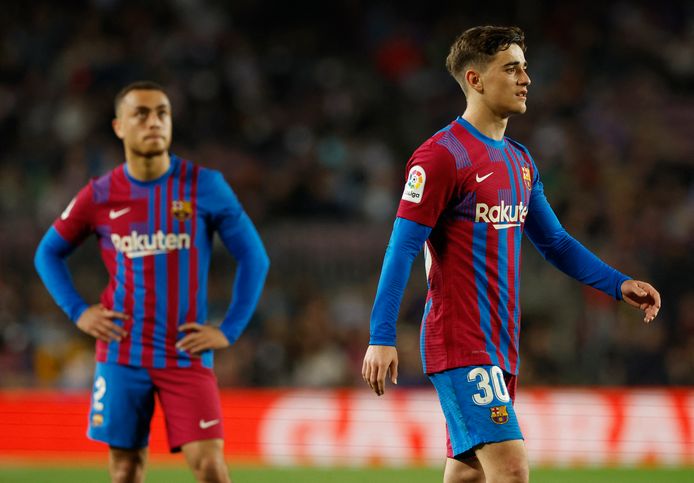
(651, 305)
(381, 379)
(189, 326)
(394, 371)
(112, 314)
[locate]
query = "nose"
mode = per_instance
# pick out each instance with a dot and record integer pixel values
(524, 78)
(153, 120)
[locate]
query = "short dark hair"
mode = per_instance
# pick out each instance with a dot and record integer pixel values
(477, 46)
(143, 85)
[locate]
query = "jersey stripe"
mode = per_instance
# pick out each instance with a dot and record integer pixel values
(512, 272)
(172, 280)
(492, 275)
(479, 255)
(502, 308)
(148, 299)
(184, 288)
(160, 282)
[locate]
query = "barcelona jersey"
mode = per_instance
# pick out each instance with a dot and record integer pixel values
(155, 240)
(474, 192)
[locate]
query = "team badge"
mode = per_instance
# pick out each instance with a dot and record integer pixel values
(97, 420)
(181, 210)
(526, 177)
(414, 188)
(499, 414)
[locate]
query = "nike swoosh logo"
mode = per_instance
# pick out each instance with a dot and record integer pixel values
(113, 214)
(208, 424)
(480, 179)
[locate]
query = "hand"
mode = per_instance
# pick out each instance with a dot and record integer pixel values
(200, 338)
(97, 321)
(377, 361)
(642, 295)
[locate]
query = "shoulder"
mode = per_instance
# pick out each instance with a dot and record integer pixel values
(519, 147)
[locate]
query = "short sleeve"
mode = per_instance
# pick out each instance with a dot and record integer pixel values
(75, 223)
(429, 185)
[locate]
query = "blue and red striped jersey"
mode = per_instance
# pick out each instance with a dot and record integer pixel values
(155, 240)
(474, 192)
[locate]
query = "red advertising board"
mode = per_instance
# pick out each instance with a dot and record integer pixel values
(352, 427)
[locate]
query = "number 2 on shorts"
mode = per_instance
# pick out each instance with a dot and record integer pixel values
(99, 391)
(497, 383)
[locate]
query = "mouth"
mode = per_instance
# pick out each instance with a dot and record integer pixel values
(523, 95)
(153, 137)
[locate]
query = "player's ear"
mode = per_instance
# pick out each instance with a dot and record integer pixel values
(473, 80)
(117, 128)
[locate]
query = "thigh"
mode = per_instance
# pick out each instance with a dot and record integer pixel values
(504, 461)
(189, 398)
(477, 406)
(122, 406)
(463, 470)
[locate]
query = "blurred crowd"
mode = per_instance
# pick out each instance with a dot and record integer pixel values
(311, 112)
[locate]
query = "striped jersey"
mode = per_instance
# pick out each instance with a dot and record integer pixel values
(156, 240)
(474, 192)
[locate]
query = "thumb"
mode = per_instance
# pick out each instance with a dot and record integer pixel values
(394, 371)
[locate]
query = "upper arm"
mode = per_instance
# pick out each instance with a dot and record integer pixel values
(75, 223)
(429, 185)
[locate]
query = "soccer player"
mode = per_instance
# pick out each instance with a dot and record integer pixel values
(154, 217)
(470, 193)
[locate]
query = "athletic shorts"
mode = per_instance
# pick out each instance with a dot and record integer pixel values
(123, 403)
(477, 402)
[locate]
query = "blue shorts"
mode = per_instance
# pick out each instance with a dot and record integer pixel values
(122, 405)
(477, 402)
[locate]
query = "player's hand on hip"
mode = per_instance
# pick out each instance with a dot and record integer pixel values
(642, 295)
(98, 321)
(200, 338)
(378, 360)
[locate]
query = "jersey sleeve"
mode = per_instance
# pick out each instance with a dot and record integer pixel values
(429, 186)
(563, 251)
(75, 223)
(241, 238)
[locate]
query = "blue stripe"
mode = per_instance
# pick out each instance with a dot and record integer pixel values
(422, 333)
(184, 269)
(512, 176)
(457, 150)
(479, 255)
(118, 303)
(518, 234)
(161, 286)
(504, 337)
(138, 311)
(516, 161)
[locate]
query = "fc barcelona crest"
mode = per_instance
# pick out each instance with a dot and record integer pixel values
(181, 210)
(499, 414)
(526, 177)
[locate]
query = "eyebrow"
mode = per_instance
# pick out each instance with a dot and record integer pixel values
(515, 63)
(149, 108)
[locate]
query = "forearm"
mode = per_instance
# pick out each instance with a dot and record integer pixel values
(575, 260)
(253, 264)
(405, 243)
(51, 267)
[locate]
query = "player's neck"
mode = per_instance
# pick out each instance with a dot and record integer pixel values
(486, 122)
(147, 168)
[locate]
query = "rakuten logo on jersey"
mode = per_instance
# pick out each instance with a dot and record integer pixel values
(136, 245)
(502, 216)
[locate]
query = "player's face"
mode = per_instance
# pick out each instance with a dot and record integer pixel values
(144, 122)
(506, 82)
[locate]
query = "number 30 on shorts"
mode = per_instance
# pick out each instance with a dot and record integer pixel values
(490, 383)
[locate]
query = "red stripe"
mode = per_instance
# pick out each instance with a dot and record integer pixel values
(193, 295)
(512, 279)
(470, 335)
(172, 286)
(492, 269)
(128, 304)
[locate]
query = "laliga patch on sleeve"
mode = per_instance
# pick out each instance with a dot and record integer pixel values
(414, 188)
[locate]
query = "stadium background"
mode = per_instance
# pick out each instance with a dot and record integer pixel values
(311, 111)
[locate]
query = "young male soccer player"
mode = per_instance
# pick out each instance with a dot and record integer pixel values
(470, 193)
(154, 217)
